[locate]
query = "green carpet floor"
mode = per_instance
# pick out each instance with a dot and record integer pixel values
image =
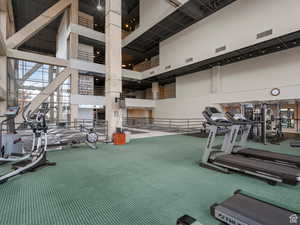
(151, 181)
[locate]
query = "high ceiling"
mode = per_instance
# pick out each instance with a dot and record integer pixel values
(147, 45)
(26, 11)
(45, 41)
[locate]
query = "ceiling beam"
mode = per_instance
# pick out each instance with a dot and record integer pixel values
(37, 58)
(37, 24)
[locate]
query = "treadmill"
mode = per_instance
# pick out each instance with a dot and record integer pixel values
(222, 160)
(285, 159)
(244, 209)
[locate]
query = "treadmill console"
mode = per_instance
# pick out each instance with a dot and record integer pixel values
(12, 111)
(236, 117)
(212, 114)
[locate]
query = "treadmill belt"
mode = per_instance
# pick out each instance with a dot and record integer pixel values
(268, 155)
(287, 174)
(259, 211)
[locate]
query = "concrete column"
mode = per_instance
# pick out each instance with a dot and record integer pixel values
(3, 64)
(58, 106)
(73, 53)
(216, 80)
(74, 91)
(3, 83)
(155, 90)
(113, 61)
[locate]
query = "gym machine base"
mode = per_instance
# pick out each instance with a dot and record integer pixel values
(295, 144)
(37, 157)
(187, 220)
(245, 127)
(244, 209)
(224, 161)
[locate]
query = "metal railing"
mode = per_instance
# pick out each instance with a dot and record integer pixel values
(165, 124)
(86, 56)
(100, 126)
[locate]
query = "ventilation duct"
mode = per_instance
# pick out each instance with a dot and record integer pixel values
(223, 48)
(264, 34)
(189, 60)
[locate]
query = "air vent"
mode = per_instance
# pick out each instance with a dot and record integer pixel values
(221, 49)
(152, 72)
(189, 60)
(168, 67)
(174, 3)
(264, 34)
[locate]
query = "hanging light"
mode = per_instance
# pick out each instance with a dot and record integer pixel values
(99, 6)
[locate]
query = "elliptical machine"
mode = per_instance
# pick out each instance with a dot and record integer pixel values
(37, 157)
(11, 144)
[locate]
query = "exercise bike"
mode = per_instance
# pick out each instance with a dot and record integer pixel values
(74, 137)
(37, 157)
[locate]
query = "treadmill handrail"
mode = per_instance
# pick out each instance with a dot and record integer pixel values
(237, 122)
(218, 123)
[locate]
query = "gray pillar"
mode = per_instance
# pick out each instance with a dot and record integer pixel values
(3, 64)
(155, 90)
(113, 61)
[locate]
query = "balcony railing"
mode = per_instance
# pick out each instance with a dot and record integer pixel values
(86, 22)
(86, 56)
(166, 124)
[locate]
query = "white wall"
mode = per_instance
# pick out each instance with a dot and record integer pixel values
(87, 100)
(235, 26)
(85, 114)
(139, 103)
(192, 95)
(255, 78)
(140, 113)
(245, 81)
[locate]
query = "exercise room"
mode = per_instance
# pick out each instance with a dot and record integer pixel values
(139, 112)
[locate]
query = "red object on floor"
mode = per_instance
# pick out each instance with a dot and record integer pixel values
(119, 139)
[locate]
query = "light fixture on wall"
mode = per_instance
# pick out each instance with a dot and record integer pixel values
(99, 6)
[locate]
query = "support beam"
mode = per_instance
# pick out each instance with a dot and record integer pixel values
(37, 58)
(2, 45)
(3, 83)
(74, 91)
(35, 68)
(37, 24)
(113, 82)
(11, 29)
(43, 95)
(73, 53)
